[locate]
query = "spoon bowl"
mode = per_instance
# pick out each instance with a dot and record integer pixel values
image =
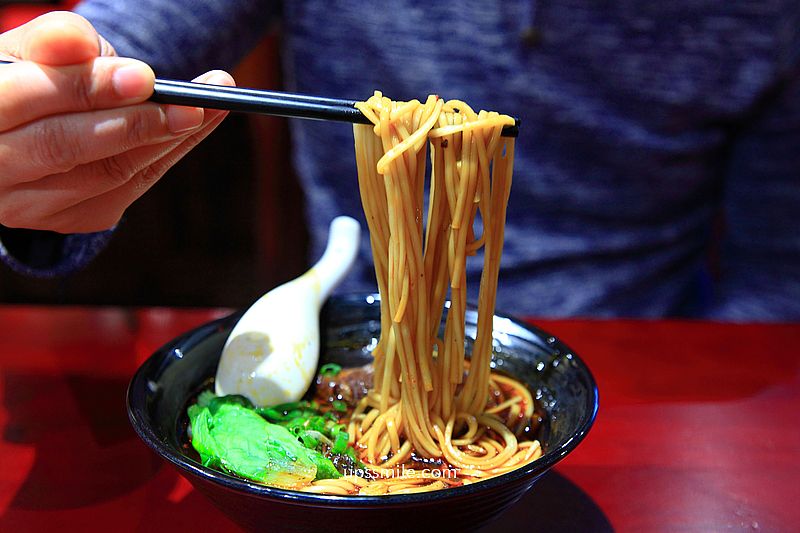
(272, 353)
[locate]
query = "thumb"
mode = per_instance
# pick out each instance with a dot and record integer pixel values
(55, 39)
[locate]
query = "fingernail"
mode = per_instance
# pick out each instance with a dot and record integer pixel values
(219, 79)
(182, 119)
(215, 77)
(134, 81)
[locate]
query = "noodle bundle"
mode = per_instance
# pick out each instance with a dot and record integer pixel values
(428, 402)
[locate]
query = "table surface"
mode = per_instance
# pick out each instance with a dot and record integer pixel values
(697, 429)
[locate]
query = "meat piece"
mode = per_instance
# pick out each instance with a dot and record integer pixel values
(349, 385)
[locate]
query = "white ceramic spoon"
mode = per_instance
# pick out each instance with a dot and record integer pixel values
(272, 353)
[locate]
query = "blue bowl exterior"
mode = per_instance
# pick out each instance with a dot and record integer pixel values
(163, 385)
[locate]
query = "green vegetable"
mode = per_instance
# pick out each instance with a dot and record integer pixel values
(205, 397)
(351, 453)
(288, 411)
(325, 468)
(232, 399)
(340, 444)
(339, 405)
(330, 370)
(309, 439)
(228, 433)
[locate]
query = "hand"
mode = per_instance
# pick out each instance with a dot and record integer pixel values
(78, 142)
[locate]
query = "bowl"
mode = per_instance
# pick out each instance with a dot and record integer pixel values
(162, 388)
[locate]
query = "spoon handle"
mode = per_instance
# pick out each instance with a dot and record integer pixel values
(340, 253)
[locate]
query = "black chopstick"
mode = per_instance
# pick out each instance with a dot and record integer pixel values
(256, 101)
(281, 104)
(262, 92)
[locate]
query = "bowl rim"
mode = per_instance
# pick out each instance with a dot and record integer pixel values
(137, 415)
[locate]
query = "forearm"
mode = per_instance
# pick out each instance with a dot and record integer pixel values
(181, 38)
(84, 176)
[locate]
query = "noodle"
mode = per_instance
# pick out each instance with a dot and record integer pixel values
(486, 447)
(427, 400)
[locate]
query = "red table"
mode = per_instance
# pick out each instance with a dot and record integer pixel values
(698, 428)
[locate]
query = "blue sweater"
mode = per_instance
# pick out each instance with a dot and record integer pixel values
(644, 126)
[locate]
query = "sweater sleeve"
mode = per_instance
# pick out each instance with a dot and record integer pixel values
(181, 38)
(46, 254)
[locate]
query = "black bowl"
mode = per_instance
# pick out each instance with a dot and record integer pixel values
(161, 389)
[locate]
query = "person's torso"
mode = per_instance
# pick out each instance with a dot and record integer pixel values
(626, 109)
